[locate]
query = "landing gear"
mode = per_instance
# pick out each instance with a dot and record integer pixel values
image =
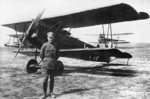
(59, 68)
(31, 66)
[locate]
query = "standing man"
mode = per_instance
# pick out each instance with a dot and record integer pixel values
(49, 54)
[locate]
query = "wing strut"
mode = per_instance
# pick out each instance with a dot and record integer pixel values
(9, 40)
(104, 38)
(50, 28)
(70, 29)
(58, 26)
(108, 32)
(111, 35)
(36, 52)
(105, 41)
(17, 35)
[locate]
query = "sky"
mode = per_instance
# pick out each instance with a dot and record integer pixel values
(12, 11)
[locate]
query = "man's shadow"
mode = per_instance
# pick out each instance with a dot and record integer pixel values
(71, 91)
(101, 70)
(96, 70)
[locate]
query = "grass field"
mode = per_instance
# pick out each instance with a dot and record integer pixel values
(81, 79)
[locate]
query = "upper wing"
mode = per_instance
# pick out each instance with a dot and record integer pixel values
(111, 14)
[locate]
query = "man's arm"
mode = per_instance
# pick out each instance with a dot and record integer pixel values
(42, 52)
(57, 51)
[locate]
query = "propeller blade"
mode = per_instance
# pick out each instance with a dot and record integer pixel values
(33, 26)
(36, 21)
(18, 51)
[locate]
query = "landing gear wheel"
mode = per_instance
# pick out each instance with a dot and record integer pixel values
(59, 68)
(30, 66)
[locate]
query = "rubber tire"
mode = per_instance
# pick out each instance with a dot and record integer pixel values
(31, 69)
(59, 68)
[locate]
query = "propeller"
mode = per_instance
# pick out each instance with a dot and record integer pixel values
(33, 27)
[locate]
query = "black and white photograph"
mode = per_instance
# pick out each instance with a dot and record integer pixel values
(74, 49)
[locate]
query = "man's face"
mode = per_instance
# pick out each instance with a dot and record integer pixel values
(50, 37)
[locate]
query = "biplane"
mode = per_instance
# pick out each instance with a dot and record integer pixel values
(17, 39)
(15, 42)
(35, 32)
(106, 40)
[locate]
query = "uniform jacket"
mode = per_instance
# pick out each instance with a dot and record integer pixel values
(49, 54)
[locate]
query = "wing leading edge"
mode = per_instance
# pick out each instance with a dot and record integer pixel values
(111, 14)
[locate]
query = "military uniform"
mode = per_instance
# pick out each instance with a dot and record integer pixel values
(49, 53)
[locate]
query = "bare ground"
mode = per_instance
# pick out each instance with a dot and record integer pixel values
(81, 79)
